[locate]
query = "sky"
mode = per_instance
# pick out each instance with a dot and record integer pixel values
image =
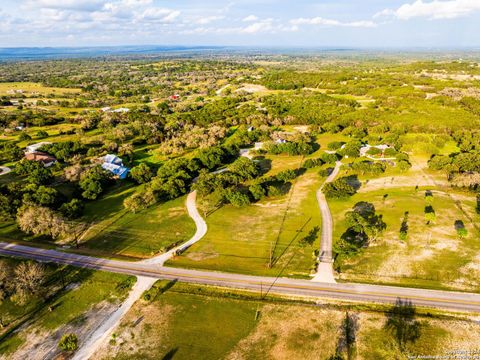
(255, 23)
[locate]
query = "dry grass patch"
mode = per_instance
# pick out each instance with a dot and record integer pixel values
(291, 332)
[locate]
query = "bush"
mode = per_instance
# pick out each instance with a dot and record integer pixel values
(24, 137)
(68, 342)
(42, 134)
(335, 145)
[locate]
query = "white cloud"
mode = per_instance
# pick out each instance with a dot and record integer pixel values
(84, 5)
(158, 14)
(331, 22)
(263, 26)
(250, 18)
(435, 9)
(208, 19)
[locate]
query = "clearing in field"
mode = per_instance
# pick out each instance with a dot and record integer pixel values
(30, 88)
(248, 239)
(434, 253)
(116, 231)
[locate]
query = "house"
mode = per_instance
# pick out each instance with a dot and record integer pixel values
(117, 170)
(112, 159)
(250, 129)
(281, 141)
(106, 109)
(38, 156)
(174, 97)
(34, 147)
(114, 164)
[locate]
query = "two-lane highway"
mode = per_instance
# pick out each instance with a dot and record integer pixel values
(350, 292)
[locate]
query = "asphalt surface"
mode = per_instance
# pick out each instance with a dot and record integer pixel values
(327, 222)
(458, 301)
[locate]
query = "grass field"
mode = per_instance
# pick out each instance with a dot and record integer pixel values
(30, 88)
(144, 234)
(184, 321)
(69, 295)
(432, 256)
(246, 239)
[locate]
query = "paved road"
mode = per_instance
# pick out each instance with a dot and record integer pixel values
(351, 292)
(325, 258)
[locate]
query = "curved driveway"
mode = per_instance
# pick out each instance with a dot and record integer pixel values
(200, 224)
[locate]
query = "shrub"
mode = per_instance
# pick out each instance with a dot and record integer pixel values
(42, 134)
(335, 145)
(24, 137)
(68, 342)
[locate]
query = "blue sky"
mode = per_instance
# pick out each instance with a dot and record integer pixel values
(303, 23)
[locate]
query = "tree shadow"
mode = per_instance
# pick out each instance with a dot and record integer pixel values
(310, 238)
(353, 181)
(170, 354)
(348, 336)
(402, 324)
(264, 164)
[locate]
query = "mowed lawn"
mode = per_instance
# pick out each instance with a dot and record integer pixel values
(433, 255)
(197, 322)
(116, 231)
(248, 239)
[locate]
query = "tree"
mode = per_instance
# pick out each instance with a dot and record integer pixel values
(339, 189)
(363, 220)
(236, 198)
(286, 175)
(36, 172)
(39, 220)
(45, 195)
(92, 182)
(42, 134)
(404, 165)
(352, 148)
(68, 342)
(24, 137)
(29, 277)
(139, 201)
(72, 209)
(258, 191)
(245, 168)
(141, 173)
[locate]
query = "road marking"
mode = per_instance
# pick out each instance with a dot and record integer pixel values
(241, 281)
